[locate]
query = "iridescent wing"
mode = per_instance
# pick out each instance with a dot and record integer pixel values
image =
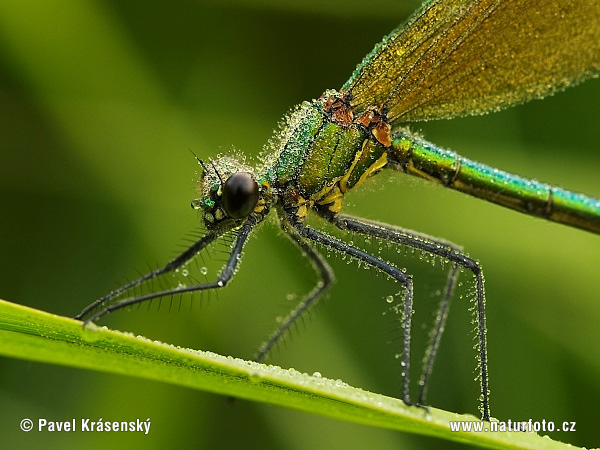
(467, 57)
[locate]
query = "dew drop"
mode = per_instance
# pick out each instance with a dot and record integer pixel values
(254, 377)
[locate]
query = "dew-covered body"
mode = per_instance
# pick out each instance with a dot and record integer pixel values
(451, 58)
(317, 156)
(424, 159)
(323, 151)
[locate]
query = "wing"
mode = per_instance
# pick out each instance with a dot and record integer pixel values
(467, 57)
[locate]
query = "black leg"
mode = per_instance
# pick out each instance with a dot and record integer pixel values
(180, 260)
(436, 334)
(447, 251)
(415, 239)
(326, 277)
(390, 270)
(224, 277)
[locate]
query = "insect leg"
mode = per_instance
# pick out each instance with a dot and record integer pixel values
(415, 239)
(224, 277)
(326, 277)
(389, 269)
(449, 252)
(184, 257)
(436, 335)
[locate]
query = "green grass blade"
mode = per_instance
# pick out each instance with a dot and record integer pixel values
(35, 335)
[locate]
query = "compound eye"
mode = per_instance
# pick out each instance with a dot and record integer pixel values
(240, 195)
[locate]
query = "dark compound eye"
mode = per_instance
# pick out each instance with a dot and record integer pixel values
(240, 195)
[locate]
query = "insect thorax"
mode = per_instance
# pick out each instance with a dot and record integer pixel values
(322, 151)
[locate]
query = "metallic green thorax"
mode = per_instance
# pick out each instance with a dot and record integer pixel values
(321, 152)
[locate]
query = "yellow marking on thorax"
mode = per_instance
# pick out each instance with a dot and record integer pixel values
(372, 169)
(344, 181)
(260, 206)
(302, 211)
(333, 193)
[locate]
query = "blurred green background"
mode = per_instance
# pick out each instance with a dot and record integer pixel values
(100, 102)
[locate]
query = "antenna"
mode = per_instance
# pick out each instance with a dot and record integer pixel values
(206, 168)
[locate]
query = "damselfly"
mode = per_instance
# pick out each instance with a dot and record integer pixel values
(451, 58)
